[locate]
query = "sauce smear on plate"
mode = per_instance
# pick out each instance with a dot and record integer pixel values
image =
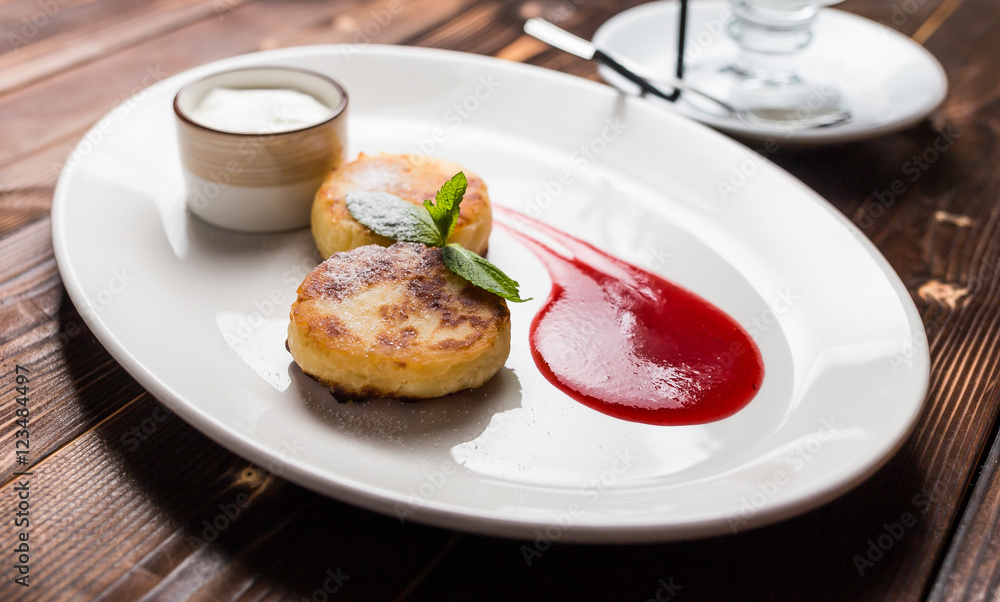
(632, 345)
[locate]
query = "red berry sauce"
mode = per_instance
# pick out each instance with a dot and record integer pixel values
(630, 344)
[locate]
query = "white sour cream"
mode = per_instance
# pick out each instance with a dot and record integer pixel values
(264, 111)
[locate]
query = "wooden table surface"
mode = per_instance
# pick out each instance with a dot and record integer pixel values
(112, 524)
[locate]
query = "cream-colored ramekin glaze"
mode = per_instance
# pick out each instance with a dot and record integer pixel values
(259, 182)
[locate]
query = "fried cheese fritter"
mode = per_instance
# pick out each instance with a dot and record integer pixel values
(395, 322)
(413, 178)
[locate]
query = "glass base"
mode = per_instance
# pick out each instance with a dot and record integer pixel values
(785, 96)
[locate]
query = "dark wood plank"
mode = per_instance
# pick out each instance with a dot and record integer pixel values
(905, 17)
(134, 512)
(43, 333)
(972, 567)
(60, 108)
(378, 22)
(93, 30)
(145, 505)
(27, 186)
(29, 22)
(971, 570)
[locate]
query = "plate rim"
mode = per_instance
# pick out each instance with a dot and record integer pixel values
(434, 512)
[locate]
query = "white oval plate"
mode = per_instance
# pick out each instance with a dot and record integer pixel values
(887, 81)
(198, 315)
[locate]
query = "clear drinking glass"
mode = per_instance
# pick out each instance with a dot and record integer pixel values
(769, 35)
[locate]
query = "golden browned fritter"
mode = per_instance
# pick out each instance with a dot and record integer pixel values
(413, 178)
(395, 322)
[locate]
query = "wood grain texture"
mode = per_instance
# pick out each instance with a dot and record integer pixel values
(905, 17)
(42, 332)
(101, 28)
(971, 570)
(123, 518)
(144, 505)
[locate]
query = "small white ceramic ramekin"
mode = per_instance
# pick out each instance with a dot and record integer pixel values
(259, 182)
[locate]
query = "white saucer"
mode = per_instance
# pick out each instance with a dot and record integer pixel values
(887, 81)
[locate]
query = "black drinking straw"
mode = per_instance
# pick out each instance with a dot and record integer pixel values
(644, 86)
(681, 33)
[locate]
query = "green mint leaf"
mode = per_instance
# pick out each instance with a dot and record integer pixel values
(391, 216)
(480, 272)
(432, 224)
(444, 209)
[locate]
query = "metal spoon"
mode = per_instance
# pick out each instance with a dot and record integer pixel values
(644, 78)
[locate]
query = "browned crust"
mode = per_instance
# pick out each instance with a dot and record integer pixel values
(340, 394)
(413, 178)
(344, 395)
(430, 287)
